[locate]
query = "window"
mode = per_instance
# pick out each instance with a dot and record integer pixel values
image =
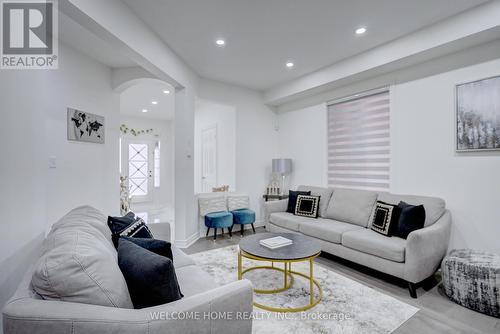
(157, 165)
(138, 169)
(359, 142)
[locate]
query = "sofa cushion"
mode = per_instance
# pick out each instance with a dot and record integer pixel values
(370, 242)
(324, 193)
(128, 226)
(80, 266)
(307, 206)
(434, 207)
(181, 259)
(351, 206)
(286, 220)
(160, 247)
(193, 280)
(292, 199)
(150, 277)
(412, 218)
(385, 218)
(84, 217)
(327, 229)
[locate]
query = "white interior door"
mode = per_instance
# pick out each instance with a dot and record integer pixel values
(137, 164)
(208, 158)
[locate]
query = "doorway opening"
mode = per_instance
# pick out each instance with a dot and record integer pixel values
(215, 147)
(147, 149)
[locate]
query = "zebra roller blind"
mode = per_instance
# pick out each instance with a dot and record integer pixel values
(359, 143)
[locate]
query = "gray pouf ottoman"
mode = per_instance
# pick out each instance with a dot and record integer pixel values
(471, 278)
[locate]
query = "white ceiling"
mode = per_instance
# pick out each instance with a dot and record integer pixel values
(140, 96)
(262, 35)
(79, 38)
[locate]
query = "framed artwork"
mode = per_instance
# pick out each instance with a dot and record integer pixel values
(86, 127)
(478, 115)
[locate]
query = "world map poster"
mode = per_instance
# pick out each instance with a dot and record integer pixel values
(85, 127)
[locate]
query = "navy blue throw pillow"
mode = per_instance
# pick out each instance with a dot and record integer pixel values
(412, 218)
(160, 247)
(128, 226)
(150, 277)
(117, 224)
(292, 199)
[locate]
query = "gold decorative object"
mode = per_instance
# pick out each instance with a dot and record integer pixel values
(287, 280)
(221, 189)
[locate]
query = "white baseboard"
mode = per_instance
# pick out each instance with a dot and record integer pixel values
(187, 242)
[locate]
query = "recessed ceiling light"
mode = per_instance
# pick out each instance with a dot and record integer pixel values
(166, 92)
(290, 64)
(220, 42)
(154, 102)
(144, 110)
(360, 31)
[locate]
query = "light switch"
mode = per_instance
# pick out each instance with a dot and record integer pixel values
(52, 162)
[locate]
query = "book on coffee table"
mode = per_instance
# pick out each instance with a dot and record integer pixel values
(275, 242)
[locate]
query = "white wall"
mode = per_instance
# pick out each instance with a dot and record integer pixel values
(302, 137)
(33, 108)
(86, 173)
(206, 115)
(164, 195)
(256, 137)
(423, 160)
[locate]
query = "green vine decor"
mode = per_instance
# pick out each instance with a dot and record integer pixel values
(125, 129)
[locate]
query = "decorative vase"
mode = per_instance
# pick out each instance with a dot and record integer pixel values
(124, 196)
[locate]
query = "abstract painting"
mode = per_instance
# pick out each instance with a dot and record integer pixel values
(86, 127)
(478, 115)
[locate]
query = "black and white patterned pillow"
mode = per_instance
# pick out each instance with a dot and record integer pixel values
(385, 217)
(128, 226)
(307, 206)
(137, 230)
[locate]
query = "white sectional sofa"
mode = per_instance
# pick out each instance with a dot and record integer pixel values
(343, 229)
(86, 238)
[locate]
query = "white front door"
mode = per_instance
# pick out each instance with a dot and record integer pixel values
(208, 158)
(138, 165)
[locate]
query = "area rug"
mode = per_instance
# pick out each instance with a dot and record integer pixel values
(346, 307)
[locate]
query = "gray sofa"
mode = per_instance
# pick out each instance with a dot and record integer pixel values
(343, 229)
(85, 231)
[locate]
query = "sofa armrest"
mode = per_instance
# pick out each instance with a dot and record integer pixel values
(426, 248)
(160, 231)
(272, 207)
(202, 313)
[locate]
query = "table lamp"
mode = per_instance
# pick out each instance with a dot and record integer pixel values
(283, 167)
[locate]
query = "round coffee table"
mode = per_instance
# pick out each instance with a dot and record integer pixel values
(303, 249)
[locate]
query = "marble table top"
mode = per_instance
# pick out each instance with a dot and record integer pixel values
(302, 247)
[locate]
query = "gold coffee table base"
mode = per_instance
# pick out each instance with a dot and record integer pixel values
(288, 280)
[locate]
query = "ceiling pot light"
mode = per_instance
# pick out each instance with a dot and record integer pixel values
(144, 110)
(360, 31)
(220, 42)
(166, 92)
(290, 64)
(154, 102)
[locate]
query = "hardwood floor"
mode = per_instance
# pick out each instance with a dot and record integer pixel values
(437, 313)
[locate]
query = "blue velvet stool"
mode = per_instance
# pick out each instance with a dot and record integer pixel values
(244, 217)
(219, 220)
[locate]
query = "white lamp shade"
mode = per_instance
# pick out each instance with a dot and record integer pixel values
(282, 166)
